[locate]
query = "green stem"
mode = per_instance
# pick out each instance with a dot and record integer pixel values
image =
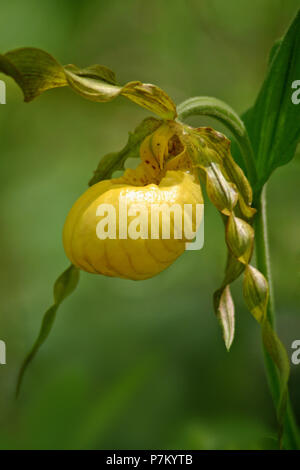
(291, 437)
(215, 108)
(262, 249)
(219, 110)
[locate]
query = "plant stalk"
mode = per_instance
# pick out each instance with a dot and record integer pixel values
(291, 438)
(221, 111)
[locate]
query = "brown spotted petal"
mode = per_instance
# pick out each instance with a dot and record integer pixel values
(216, 148)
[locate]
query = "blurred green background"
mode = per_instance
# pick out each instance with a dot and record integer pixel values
(133, 365)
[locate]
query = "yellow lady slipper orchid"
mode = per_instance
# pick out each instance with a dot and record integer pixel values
(164, 184)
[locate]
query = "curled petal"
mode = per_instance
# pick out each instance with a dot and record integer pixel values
(224, 308)
(221, 192)
(240, 238)
(256, 293)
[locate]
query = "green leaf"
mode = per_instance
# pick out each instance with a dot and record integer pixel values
(273, 123)
(63, 287)
(36, 71)
(115, 161)
(276, 130)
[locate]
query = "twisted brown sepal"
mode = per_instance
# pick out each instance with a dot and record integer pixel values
(36, 71)
(63, 287)
(68, 280)
(229, 190)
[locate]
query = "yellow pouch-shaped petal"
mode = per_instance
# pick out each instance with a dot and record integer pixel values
(125, 250)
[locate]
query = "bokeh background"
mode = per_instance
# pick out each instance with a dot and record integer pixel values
(133, 365)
